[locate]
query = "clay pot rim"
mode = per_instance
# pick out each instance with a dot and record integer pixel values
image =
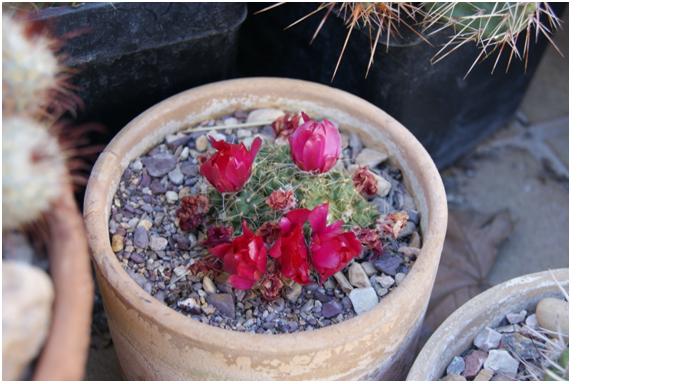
(537, 285)
(114, 159)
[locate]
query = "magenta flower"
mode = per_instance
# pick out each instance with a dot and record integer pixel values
(230, 167)
(315, 146)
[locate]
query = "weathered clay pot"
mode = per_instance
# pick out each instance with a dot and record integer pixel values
(456, 333)
(155, 342)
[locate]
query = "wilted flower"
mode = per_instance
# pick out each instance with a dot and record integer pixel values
(331, 248)
(286, 124)
(230, 167)
(370, 239)
(365, 182)
(244, 258)
(315, 146)
(191, 212)
(271, 285)
(209, 264)
(270, 231)
(217, 235)
(290, 248)
(281, 200)
(392, 223)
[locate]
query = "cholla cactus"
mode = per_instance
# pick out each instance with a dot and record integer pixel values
(33, 170)
(30, 70)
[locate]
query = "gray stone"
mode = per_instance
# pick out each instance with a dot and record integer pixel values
(140, 237)
(531, 321)
(160, 164)
(487, 339)
(368, 268)
(516, 318)
(265, 115)
(370, 158)
(176, 176)
(383, 186)
(357, 276)
(201, 143)
(355, 144)
(157, 187)
(208, 285)
(136, 165)
(399, 277)
(385, 281)
(137, 258)
(331, 309)
(189, 305)
(407, 230)
(456, 366)
(388, 264)
(171, 196)
(363, 299)
(473, 362)
(383, 206)
(223, 302)
(293, 292)
(343, 282)
(189, 169)
(500, 361)
(519, 345)
(158, 243)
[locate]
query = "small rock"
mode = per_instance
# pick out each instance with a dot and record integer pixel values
(185, 153)
(473, 363)
(408, 229)
(223, 302)
(456, 367)
(189, 169)
(500, 361)
(157, 187)
(343, 282)
(171, 196)
(158, 243)
(137, 258)
(208, 285)
(484, 375)
(180, 270)
(176, 176)
(506, 329)
(413, 216)
(161, 164)
(331, 309)
(409, 251)
(553, 314)
(136, 166)
(293, 292)
(368, 268)
(363, 299)
(383, 206)
(144, 223)
(383, 186)
(355, 144)
(201, 143)
(265, 115)
(140, 237)
(515, 318)
(189, 305)
(117, 243)
(453, 378)
(531, 321)
(487, 339)
(385, 281)
(519, 345)
(370, 158)
(357, 276)
(415, 241)
(388, 264)
(399, 277)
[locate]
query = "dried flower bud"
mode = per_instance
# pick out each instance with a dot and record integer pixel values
(281, 200)
(191, 212)
(217, 235)
(208, 265)
(271, 286)
(365, 182)
(286, 124)
(270, 231)
(370, 239)
(392, 223)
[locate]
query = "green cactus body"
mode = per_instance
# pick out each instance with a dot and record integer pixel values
(273, 169)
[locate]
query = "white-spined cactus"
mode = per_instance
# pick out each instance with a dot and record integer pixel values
(33, 170)
(30, 69)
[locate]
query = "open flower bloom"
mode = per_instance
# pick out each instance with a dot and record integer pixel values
(244, 258)
(230, 167)
(331, 248)
(290, 248)
(315, 146)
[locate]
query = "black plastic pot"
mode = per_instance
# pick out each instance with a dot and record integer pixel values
(447, 112)
(129, 56)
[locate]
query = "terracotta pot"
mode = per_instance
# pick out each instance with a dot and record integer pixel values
(65, 352)
(455, 335)
(155, 342)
